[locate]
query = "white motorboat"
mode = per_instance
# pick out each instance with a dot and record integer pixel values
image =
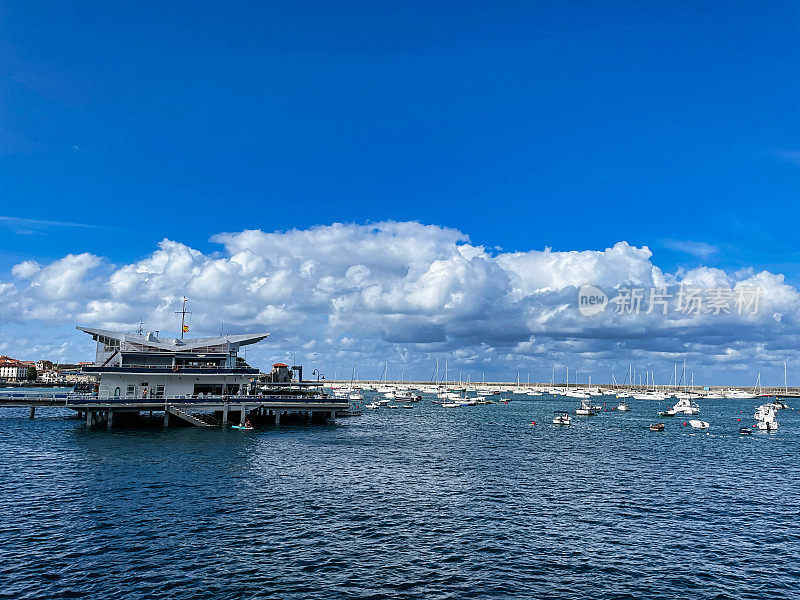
(623, 406)
(698, 424)
(650, 396)
(765, 418)
(779, 404)
(738, 395)
(585, 409)
(373, 405)
(561, 418)
(685, 406)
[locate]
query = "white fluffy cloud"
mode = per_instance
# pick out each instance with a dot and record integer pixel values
(406, 293)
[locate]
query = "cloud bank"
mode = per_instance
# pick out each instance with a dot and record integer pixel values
(405, 293)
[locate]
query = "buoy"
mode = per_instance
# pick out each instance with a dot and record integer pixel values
(684, 424)
(739, 420)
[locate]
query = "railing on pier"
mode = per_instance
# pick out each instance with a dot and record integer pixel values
(68, 399)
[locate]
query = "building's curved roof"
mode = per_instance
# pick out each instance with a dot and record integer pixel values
(175, 345)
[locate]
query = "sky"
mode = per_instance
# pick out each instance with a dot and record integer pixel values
(401, 182)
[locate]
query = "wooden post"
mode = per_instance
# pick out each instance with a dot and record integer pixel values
(110, 419)
(225, 414)
(89, 418)
(32, 412)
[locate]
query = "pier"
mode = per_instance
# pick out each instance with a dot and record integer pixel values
(208, 411)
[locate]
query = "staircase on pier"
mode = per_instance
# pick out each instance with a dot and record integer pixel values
(200, 420)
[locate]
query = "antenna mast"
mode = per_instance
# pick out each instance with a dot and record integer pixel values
(183, 312)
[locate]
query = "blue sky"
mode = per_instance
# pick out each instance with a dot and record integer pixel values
(570, 125)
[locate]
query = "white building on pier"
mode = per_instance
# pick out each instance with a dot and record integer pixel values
(147, 366)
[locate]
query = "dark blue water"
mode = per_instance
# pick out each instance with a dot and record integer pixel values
(471, 502)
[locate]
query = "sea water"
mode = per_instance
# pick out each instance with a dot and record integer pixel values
(429, 502)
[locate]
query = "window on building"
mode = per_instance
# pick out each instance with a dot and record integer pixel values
(159, 391)
(116, 392)
(206, 389)
(130, 391)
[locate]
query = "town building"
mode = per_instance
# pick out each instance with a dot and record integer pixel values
(12, 369)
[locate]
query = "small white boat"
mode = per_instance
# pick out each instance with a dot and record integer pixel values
(765, 418)
(698, 424)
(685, 406)
(562, 418)
(373, 405)
(449, 405)
(585, 409)
(623, 406)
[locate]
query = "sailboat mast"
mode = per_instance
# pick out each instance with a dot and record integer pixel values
(785, 382)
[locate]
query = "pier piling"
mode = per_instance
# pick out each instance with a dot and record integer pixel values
(32, 412)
